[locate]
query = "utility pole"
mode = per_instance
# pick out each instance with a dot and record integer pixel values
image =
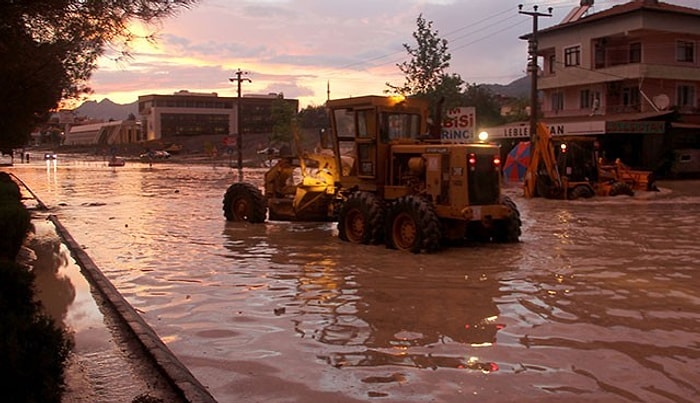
(532, 66)
(239, 139)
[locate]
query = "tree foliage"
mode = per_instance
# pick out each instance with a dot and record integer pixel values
(50, 48)
(426, 71)
(314, 117)
(488, 106)
(33, 348)
(283, 118)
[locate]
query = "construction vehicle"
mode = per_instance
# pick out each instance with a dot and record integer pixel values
(296, 188)
(385, 178)
(571, 168)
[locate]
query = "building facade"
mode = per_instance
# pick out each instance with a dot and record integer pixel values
(193, 114)
(105, 133)
(629, 75)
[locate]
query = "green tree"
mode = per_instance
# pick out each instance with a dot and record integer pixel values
(313, 117)
(520, 108)
(50, 48)
(488, 106)
(426, 71)
(283, 118)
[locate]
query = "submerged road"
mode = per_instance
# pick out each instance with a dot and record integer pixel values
(116, 355)
(600, 300)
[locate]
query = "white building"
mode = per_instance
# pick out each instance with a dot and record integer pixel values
(105, 133)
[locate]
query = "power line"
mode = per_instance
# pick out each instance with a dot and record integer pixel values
(472, 28)
(489, 35)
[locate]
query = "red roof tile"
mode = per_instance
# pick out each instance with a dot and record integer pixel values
(633, 6)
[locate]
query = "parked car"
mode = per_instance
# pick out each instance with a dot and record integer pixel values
(155, 155)
(6, 160)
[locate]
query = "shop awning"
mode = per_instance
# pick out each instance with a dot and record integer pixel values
(639, 122)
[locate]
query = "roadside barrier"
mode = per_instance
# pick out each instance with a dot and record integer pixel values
(182, 379)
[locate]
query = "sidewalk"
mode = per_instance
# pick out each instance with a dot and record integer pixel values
(117, 356)
(106, 364)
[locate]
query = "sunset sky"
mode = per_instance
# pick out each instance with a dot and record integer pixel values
(298, 46)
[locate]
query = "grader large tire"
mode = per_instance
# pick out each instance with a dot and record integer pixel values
(508, 230)
(244, 202)
(621, 188)
(361, 219)
(413, 225)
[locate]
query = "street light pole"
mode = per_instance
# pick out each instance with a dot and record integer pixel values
(532, 66)
(239, 139)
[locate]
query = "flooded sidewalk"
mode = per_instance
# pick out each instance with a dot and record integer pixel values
(109, 362)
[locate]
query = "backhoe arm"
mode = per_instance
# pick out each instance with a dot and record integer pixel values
(542, 163)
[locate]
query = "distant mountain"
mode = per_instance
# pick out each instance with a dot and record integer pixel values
(519, 88)
(107, 110)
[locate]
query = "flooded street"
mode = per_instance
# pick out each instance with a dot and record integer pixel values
(599, 302)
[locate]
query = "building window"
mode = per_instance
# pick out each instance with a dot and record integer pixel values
(685, 51)
(630, 98)
(552, 61)
(599, 56)
(586, 99)
(686, 96)
(572, 56)
(184, 124)
(636, 52)
(557, 101)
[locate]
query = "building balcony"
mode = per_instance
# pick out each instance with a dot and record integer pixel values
(581, 76)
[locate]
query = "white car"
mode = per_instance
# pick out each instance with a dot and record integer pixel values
(155, 155)
(5, 160)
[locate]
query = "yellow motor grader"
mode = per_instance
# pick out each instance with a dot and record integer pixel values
(386, 179)
(570, 168)
(297, 188)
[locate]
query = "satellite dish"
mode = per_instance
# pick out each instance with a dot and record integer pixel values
(662, 101)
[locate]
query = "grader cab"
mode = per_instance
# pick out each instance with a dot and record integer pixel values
(385, 179)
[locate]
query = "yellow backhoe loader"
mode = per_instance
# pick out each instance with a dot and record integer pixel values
(570, 168)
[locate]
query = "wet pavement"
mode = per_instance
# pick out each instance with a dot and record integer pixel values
(600, 300)
(106, 364)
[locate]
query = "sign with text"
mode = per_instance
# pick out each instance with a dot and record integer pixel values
(459, 125)
(555, 129)
(636, 126)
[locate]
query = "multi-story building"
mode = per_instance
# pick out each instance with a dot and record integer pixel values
(192, 114)
(629, 75)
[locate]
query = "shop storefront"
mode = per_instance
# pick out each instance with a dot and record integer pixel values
(645, 140)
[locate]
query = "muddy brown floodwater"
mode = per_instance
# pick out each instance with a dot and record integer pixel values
(599, 302)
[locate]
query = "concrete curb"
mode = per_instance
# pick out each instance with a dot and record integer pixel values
(181, 378)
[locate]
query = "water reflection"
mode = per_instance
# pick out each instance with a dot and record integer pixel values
(63, 291)
(54, 287)
(390, 314)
